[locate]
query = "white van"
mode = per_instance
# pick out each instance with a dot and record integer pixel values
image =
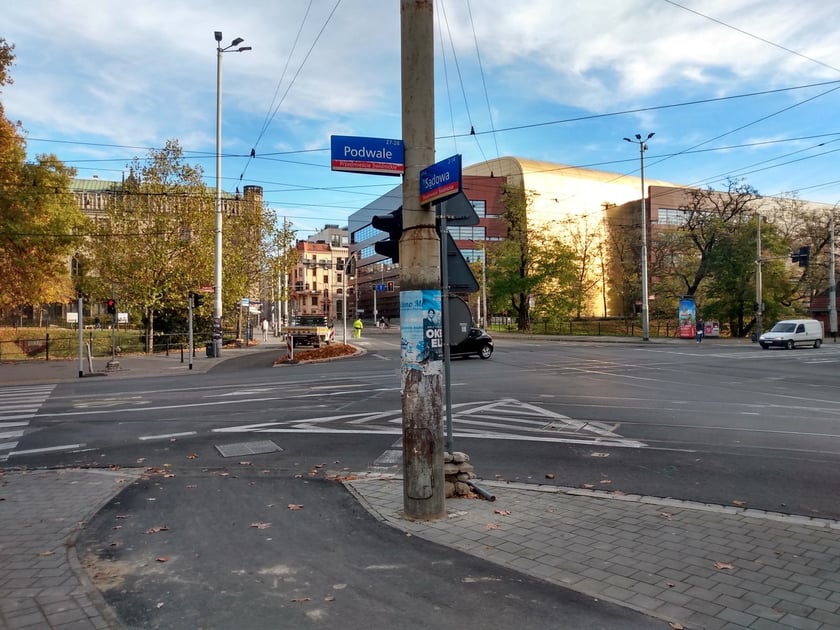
(790, 333)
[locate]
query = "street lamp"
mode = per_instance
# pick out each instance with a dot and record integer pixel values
(217, 303)
(645, 313)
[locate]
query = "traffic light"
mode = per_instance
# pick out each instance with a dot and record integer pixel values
(390, 286)
(197, 299)
(802, 257)
(392, 223)
(111, 306)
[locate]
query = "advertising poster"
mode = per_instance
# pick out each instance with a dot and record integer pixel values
(421, 330)
(687, 315)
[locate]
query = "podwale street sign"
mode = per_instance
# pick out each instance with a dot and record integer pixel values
(378, 156)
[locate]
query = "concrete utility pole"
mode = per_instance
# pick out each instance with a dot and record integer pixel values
(422, 408)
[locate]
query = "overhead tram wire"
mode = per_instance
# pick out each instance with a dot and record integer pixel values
(756, 37)
(288, 87)
(446, 82)
(483, 81)
(463, 89)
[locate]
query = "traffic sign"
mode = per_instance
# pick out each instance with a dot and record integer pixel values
(440, 181)
(378, 156)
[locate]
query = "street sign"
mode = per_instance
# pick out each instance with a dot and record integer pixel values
(440, 181)
(458, 209)
(460, 276)
(378, 156)
(380, 287)
(207, 289)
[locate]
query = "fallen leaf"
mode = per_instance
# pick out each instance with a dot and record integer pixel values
(261, 525)
(168, 475)
(549, 476)
(162, 559)
(117, 527)
(159, 605)
(667, 515)
(46, 553)
(192, 456)
(301, 599)
(677, 626)
(298, 476)
(588, 486)
(605, 481)
(502, 512)
(492, 526)
(156, 530)
(294, 506)
(244, 463)
(140, 460)
(595, 454)
(739, 503)
(723, 565)
(329, 598)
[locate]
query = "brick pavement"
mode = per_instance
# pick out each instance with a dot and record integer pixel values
(42, 584)
(691, 564)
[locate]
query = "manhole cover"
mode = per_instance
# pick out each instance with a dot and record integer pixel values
(247, 448)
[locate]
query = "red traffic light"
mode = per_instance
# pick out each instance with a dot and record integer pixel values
(111, 306)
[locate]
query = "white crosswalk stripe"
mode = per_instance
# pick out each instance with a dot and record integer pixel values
(18, 405)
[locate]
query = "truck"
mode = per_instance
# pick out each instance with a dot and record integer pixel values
(309, 330)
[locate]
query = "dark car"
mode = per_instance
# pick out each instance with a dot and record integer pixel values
(478, 342)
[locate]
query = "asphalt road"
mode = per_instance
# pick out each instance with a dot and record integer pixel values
(721, 422)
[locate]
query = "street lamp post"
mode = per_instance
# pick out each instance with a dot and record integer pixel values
(217, 302)
(645, 312)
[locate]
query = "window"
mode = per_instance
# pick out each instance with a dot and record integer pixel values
(314, 300)
(671, 216)
(480, 208)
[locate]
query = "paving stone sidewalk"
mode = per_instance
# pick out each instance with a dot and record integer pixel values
(42, 584)
(693, 565)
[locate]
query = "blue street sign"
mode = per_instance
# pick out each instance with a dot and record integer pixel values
(367, 155)
(440, 181)
(380, 287)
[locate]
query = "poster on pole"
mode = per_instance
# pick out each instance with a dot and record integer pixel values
(421, 330)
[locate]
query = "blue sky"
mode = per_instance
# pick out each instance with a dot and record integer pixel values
(748, 89)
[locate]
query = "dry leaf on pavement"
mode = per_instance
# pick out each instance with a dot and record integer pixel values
(739, 503)
(162, 559)
(261, 525)
(294, 506)
(155, 530)
(723, 565)
(491, 526)
(667, 515)
(502, 512)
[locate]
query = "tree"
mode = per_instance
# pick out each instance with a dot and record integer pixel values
(40, 223)
(509, 283)
(157, 242)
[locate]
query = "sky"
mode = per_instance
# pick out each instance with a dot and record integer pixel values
(747, 90)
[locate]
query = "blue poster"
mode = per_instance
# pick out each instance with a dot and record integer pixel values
(421, 330)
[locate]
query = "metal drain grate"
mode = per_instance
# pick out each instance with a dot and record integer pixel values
(247, 448)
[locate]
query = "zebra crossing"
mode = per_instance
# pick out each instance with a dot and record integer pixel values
(18, 405)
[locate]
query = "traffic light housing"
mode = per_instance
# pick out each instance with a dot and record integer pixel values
(197, 299)
(803, 257)
(111, 306)
(390, 286)
(392, 223)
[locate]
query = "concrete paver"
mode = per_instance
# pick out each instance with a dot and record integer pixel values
(43, 585)
(694, 565)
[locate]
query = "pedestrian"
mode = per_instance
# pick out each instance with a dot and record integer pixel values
(265, 329)
(357, 328)
(700, 326)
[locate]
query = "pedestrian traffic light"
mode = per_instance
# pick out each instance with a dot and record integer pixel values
(111, 306)
(197, 299)
(392, 223)
(390, 286)
(802, 256)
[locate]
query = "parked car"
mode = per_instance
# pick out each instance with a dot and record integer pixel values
(478, 342)
(790, 333)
